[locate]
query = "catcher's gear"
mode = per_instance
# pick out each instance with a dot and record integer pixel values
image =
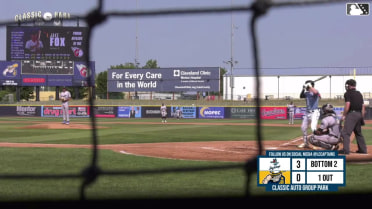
(320, 131)
(327, 108)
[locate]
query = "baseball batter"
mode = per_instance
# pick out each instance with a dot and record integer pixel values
(65, 97)
(312, 114)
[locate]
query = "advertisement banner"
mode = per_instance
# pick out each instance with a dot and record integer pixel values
(25, 111)
(299, 113)
(273, 113)
(164, 79)
(339, 111)
(212, 112)
(129, 112)
(105, 111)
(42, 73)
(56, 111)
(153, 112)
(187, 112)
(59, 80)
(243, 112)
(34, 80)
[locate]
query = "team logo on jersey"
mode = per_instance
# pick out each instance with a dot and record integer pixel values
(77, 51)
(10, 71)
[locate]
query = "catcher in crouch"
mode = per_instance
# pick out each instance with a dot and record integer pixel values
(328, 134)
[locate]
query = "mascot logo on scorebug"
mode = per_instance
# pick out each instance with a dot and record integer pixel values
(275, 176)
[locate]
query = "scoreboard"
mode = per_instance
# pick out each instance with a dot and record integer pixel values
(46, 43)
(46, 56)
(301, 171)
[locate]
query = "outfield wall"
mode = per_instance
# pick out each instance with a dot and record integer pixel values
(202, 112)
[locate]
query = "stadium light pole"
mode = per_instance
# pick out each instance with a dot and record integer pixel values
(232, 61)
(136, 62)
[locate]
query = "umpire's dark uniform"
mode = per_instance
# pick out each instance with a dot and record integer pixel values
(353, 112)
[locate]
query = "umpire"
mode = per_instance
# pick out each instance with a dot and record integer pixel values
(354, 111)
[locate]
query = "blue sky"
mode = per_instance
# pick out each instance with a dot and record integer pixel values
(301, 36)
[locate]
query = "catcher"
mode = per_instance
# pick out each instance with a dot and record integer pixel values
(328, 134)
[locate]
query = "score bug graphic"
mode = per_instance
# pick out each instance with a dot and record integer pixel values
(301, 171)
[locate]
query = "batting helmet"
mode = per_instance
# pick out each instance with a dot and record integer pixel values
(311, 82)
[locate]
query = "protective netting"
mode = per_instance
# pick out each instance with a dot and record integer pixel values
(96, 17)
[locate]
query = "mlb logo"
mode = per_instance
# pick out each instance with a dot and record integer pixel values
(357, 9)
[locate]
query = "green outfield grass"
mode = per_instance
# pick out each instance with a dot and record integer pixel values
(226, 183)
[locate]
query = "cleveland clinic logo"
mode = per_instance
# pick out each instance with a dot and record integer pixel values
(357, 9)
(176, 73)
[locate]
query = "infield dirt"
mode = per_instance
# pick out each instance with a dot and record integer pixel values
(232, 151)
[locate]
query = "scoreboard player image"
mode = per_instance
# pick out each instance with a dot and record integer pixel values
(34, 44)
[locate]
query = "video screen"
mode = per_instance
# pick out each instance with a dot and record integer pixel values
(46, 43)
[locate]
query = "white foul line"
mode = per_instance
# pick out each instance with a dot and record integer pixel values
(221, 150)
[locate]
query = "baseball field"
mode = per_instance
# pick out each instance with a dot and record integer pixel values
(42, 159)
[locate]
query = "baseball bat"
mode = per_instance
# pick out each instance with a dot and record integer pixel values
(321, 78)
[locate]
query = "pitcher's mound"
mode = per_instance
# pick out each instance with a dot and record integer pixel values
(60, 126)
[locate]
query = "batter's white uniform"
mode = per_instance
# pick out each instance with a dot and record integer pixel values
(66, 96)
